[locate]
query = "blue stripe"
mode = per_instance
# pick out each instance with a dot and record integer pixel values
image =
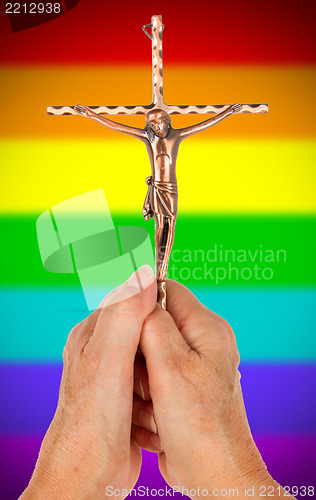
(276, 325)
(279, 399)
(270, 325)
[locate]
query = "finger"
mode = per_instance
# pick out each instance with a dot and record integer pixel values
(141, 384)
(146, 440)
(196, 322)
(183, 306)
(80, 334)
(117, 331)
(109, 354)
(143, 414)
(160, 336)
(164, 349)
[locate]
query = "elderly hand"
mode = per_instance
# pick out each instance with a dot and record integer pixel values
(88, 445)
(193, 395)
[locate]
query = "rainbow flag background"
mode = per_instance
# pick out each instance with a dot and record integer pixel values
(246, 199)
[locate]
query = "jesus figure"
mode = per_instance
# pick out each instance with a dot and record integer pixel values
(161, 202)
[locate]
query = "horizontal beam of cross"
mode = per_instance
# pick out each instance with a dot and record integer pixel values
(200, 109)
(158, 102)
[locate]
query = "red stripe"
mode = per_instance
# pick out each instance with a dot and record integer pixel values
(202, 31)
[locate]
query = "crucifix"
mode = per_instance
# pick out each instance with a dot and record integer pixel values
(162, 142)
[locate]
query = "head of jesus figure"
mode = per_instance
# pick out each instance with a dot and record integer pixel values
(158, 122)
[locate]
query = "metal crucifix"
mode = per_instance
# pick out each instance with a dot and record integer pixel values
(162, 142)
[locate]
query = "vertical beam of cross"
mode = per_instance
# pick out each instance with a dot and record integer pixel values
(158, 102)
(157, 68)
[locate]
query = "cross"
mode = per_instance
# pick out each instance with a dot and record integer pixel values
(158, 102)
(162, 142)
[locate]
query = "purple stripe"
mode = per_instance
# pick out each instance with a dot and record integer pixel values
(278, 398)
(17, 460)
(290, 460)
(29, 394)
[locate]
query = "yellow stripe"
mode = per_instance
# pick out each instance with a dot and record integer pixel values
(213, 176)
(26, 91)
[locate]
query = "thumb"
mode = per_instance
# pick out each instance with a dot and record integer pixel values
(117, 331)
(168, 360)
(164, 349)
(170, 337)
(110, 352)
(201, 328)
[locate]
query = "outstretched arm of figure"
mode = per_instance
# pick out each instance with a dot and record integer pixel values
(199, 127)
(119, 127)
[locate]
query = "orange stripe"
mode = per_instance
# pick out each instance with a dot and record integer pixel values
(27, 91)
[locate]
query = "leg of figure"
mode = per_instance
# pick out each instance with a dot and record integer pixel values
(164, 236)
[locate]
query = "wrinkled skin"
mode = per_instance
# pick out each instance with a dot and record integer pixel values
(187, 403)
(88, 445)
(192, 385)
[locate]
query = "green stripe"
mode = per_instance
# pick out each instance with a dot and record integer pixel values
(289, 240)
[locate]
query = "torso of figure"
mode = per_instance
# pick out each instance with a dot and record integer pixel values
(163, 156)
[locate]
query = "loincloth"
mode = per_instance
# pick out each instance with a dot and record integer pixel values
(161, 199)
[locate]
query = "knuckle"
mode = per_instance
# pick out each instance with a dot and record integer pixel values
(225, 338)
(225, 330)
(222, 323)
(67, 351)
(125, 310)
(70, 344)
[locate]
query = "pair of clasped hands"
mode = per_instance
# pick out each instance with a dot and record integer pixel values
(136, 376)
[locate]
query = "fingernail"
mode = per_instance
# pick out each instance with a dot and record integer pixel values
(147, 420)
(137, 282)
(139, 388)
